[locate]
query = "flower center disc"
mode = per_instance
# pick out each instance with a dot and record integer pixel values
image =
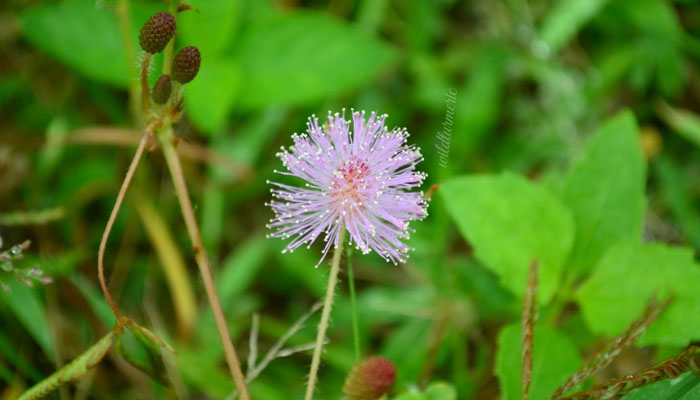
(348, 189)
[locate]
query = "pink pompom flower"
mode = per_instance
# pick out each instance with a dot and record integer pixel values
(357, 175)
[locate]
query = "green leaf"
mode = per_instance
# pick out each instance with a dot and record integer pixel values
(685, 387)
(440, 391)
(201, 369)
(683, 122)
(566, 19)
(210, 97)
(240, 267)
(212, 27)
(85, 36)
(72, 371)
(25, 305)
(407, 347)
(299, 57)
(96, 300)
(554, 358)
(605, 191)
(138, 347)
(624, 280)
(411, 396)
(511, 221)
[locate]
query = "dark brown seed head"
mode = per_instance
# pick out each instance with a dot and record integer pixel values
(186, 64)
(157, 32)
(161, 90)
(370, 379)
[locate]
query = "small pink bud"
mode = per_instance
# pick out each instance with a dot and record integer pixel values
(370, 379)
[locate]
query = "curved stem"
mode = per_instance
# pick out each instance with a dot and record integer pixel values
(145, 91)
(202, 259)
(110, 224)
(325, 315)
(353, 304)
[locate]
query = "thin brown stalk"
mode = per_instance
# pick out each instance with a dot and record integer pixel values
(110, 224)
(527, 329)
(671, 368)
(610, 352)
(202, 260)
(127, 137)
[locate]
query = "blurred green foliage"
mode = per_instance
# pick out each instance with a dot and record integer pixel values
(544, 162)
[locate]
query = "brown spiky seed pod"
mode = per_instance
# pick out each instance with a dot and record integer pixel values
(161, 90)
(157, 32)
(370, 379)
(186, 64)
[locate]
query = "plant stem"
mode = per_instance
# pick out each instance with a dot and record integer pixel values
(145, 91)
(353, 304)
(110, 224)
(325, 315)
(170, 47)
(124, 16)
(200, 254)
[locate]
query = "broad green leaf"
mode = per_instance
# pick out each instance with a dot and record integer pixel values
(565, 19)
(212, 27)
(72, 371)
(250, 142)
(554, 358)
(411, 396)
(440, 391)
(605, 191)
(624, 280)
(25, 305)
(300, 57)
(211, 95)
(685, 387)
(240, 268)
(85, 35)
(510, 221)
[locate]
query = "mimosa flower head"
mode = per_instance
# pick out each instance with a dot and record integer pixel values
(358, 175)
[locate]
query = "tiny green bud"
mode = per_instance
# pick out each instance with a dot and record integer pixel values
(161, 90)
(186, 64)
(157, 32)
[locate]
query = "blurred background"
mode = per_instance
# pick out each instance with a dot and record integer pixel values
(520, 85)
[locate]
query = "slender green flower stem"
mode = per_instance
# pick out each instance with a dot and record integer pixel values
(353, 303)
(200, 254)
(325, 315)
